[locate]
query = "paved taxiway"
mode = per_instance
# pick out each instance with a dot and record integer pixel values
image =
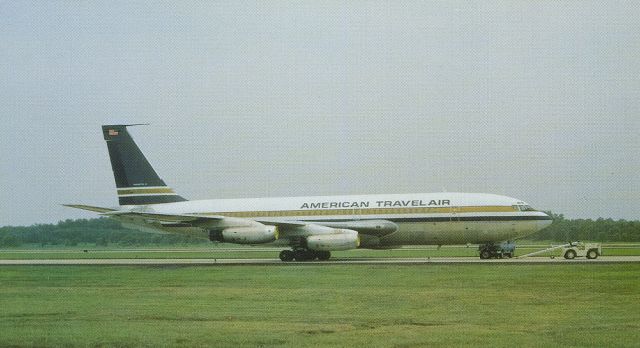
(365, 261)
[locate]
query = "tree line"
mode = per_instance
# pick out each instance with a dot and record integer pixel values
(599, 230)
(106, 232)
(98, 232)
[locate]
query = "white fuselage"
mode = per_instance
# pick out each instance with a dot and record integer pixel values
(422, 219)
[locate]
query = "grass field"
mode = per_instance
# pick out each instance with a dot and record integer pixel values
(326, 305)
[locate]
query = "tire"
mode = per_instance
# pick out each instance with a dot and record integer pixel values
(592, 254)
(304, 255)
(570, 254)
(286, 255)
(323, 255)
(485, 254)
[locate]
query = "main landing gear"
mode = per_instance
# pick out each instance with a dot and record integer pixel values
(304, 255)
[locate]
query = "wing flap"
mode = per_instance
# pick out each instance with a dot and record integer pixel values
(281, 223)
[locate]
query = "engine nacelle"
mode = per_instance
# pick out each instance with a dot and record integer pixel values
(341, 240)
(246, 235)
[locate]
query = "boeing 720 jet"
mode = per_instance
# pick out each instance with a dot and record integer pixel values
(310, 228)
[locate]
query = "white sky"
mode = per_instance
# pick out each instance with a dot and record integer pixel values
(538, 100)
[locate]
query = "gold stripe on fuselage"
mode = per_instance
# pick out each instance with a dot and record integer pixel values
(368, 211)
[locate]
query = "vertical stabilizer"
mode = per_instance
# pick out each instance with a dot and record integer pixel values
(136, 181)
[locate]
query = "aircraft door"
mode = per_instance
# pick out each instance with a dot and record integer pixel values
(454, 216)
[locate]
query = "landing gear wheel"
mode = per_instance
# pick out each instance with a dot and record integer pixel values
(323, 255)
(304, 255)
(286, 255)
(570, 255)
(592, 254)
(299, 255)
(485, 254)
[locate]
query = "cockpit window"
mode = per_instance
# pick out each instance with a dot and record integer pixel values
(523, 207)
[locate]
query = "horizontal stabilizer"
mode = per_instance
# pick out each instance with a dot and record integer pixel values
(89, 208)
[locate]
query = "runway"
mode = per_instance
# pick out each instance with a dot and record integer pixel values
(338, 261)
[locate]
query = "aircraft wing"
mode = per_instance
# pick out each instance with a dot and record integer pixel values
(195, 219)
(282, 223)
(164, 217)
(373, 227)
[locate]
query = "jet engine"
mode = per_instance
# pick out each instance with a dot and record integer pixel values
(343, 239)
(245, 235)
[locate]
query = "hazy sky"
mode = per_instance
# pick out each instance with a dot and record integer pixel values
(538, 100)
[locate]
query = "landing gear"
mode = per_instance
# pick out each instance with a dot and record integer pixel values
(304, 255)
(286, 255)
(301, 252)
(323, 255)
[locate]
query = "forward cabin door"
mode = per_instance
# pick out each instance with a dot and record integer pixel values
(456, 230)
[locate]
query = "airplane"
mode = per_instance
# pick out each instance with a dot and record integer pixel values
(312, 227)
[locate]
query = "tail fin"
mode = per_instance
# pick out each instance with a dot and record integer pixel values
(136, 181)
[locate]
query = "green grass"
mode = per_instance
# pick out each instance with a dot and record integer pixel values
(325, 305)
